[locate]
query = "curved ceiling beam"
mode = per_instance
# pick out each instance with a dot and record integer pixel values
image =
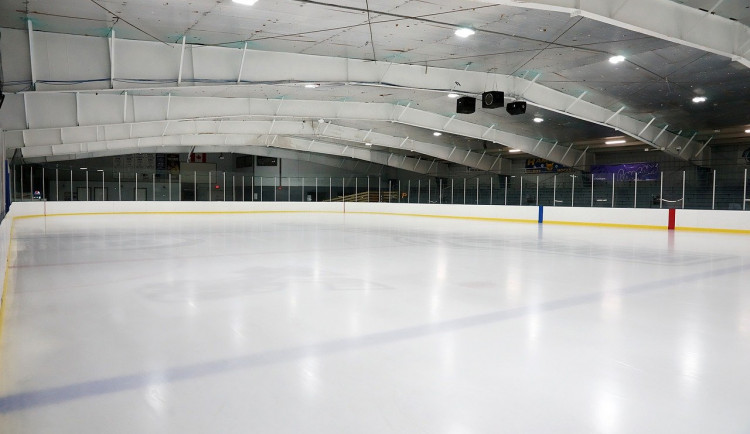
(260, 132)
(663, 19)
(226, 68)
(229, 143)
(105, 114)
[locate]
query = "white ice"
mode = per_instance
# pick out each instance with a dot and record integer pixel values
(311, 323)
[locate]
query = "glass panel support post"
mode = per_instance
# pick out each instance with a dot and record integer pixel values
(683, 189)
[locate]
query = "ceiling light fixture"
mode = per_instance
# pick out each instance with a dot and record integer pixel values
(614, 142)
(699, 99)
(453, 95)
(368, 144)
(245, 2)
(514, 150)
(84, 168)
(616, 59)
(747, 131)
(538, 120)
(311, 85)
(464, 32)
(437, 134)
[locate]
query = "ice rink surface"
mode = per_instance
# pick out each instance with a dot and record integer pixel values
(325, 323)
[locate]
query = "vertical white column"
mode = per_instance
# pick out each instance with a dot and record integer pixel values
(153, 186)
(537, 190)
(464, 191)
(31, 55)
(592, 190)
(744, 192)
(57, 185)
(408, 191)
(182, 56)
(211, 187)
(683, 189)
(419, 190)
(635, 192)
(225, 186)
(103, 188)
(87, 186)
(613, 191)
(491, 179)
(170, 186)
(112, 59)
(477, 190)
(713, 193)
(195, 186)
(453, 200)
(136, 186)
(179, 187)
(520, 199)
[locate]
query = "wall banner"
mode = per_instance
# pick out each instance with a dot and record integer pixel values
(626, 172)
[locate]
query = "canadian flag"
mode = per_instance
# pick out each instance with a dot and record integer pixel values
(198, 158)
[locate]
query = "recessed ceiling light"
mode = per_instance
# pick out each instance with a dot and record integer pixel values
(453, 95)
(538, 120)
(747, 131)
(614, 142)
(616, 59)
(699, 99)
(437, 133)
(245, 2)
(464, 32)
(311, 85)
(514, 150)
(368, 144)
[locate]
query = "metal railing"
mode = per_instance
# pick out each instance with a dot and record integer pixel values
(724, 190)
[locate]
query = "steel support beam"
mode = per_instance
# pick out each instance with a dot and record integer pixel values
(663, 19)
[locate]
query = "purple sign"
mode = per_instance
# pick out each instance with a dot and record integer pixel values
(626, 172)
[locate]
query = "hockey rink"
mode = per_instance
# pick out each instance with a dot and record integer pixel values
(331, 323)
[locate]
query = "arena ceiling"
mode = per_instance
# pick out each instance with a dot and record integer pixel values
(286, 59)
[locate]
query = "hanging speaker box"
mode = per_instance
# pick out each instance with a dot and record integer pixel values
(466, 105)
(516, 108)
(493, 99)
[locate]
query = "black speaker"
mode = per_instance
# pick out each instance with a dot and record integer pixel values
(493, 99)
(516, 108)
(466, 105)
